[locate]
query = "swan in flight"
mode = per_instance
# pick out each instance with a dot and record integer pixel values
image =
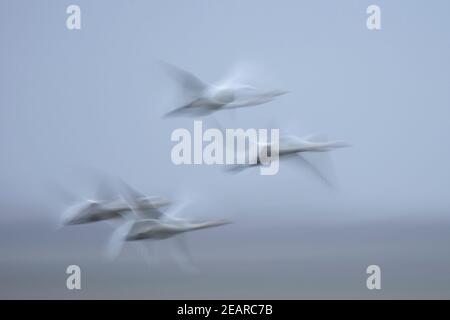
(293, 146)
(141, 217)
(107, 207)
(165, 225)
(204, 99)
(290, 144)
(154, 229)
(160, 225)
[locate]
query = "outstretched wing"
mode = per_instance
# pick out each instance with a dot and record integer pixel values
(188, 82)
(316, 171)
(254, 101)
(133, 198)
(130, 194)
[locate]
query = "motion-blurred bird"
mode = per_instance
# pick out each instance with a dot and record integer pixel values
(167, 225)
(154, 229)
(204, 99)
(109, 206)
(292, 145)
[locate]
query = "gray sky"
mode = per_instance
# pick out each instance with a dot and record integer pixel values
(73, 102)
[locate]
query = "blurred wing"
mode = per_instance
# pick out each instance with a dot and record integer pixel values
(130, 194)
(117, 240)
(132, 197)
(188, 82)
(257, 100)
(239, 75)
(203, 108)
(181, 111)
(182, 255)
(318, 173)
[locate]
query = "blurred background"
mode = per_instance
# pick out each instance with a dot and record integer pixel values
(73, 103)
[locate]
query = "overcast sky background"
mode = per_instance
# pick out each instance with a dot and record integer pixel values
(73, 103)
